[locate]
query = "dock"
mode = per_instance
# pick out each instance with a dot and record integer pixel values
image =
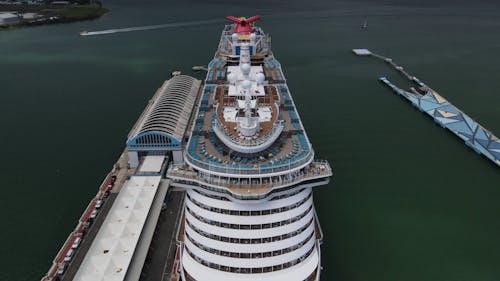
(128, 230)
(443, 112)
(362, 52)
(88, 224)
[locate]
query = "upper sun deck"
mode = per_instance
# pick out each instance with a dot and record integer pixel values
(206, 151)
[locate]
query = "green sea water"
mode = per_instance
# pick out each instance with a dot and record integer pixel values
(408, 200)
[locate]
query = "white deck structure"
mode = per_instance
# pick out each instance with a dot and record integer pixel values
(111, 253)
(237, 77)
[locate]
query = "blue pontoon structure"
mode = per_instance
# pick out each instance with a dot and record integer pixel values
(450, 117)
(444, 113)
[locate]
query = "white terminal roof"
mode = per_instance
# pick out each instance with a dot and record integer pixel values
(112, 250)
(169, 110)
(152, 164)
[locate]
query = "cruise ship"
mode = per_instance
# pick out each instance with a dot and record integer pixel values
(215, 182)
(248, 170)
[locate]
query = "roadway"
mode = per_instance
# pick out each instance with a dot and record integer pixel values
(89, 236)
(161, 254)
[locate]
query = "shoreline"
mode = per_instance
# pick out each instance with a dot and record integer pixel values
(34, 15)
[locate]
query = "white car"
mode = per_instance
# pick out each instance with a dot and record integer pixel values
(69, 255)
(94, 214)
(61, 268)
(98, 204)
(76, 243)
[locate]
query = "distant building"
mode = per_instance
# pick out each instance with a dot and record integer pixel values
(60, 3)
(31, 16)
(9, 18)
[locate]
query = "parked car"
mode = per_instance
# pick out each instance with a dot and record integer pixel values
(69, 255)
(93, 214)
(61, 268)
(98, 204)
(76, 243)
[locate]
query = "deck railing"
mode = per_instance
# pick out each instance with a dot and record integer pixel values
(247, 145)
(317, 169)
(257, 169)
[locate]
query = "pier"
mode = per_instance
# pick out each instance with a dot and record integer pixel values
(443, 112)
(400, 69)
(89, 224)
(126, 225)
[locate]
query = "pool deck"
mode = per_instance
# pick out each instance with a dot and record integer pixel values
(205, 148)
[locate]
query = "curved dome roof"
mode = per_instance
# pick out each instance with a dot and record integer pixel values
(170, 109)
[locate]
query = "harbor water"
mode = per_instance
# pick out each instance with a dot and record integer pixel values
(407, 201)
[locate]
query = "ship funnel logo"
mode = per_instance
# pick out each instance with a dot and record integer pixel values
(243, 25)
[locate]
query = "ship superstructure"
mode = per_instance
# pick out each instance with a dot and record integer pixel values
(248, 169)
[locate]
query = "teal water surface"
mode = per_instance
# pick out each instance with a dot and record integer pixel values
(408, 201)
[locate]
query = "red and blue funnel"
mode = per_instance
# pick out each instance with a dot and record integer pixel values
(243, 25)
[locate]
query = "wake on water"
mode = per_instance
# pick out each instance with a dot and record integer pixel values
(278, 16)
(150, 27)
(293, 16)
